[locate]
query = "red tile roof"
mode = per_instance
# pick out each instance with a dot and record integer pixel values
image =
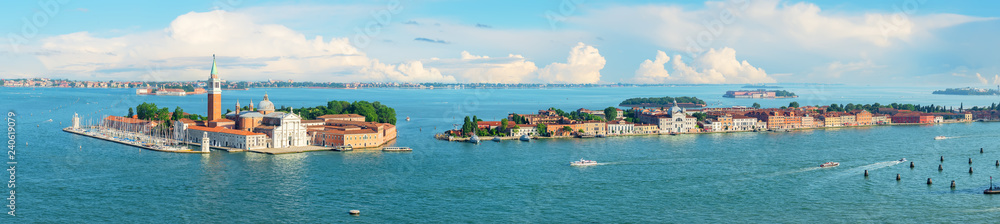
(224, 130)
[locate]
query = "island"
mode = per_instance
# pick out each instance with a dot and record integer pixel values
(968, 91)
(684, 101)
(760, 93)
(675, 120)
(262, 128)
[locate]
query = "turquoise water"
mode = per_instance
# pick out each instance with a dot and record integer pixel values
(739, 177)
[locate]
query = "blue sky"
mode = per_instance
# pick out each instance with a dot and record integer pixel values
(909, 42)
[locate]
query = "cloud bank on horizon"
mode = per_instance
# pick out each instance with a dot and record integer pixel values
(599, 43)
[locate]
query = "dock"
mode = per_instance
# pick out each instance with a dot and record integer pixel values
(71, 130)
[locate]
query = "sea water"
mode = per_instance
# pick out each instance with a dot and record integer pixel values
(736, 177)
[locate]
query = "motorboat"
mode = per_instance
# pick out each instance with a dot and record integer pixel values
(902, 160)
(829, 164)
(583, 162)
(942, 137)
(474, 139)
(407, 118)
(496, 139)
(525, 138)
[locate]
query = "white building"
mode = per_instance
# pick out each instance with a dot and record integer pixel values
(621, 128)
(224, 137)
(524, 129)
(285, 129)
(744, 123)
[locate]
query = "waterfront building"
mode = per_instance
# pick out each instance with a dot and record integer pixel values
(675, 120)
(881, 119)
(559, 129)
(357, 134)
(646, 129)
(224, 137)
(912, 118)
(745, 123)
(620, 128)
(863, 117)
(524, 129)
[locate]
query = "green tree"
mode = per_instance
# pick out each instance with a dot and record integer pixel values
(700, 116)
(503, 124)
(756, 105)
(178, 113)
(130, 112)
(610, 113)
(543, 129)
(793, 104)
(567, 128)
(467, 125)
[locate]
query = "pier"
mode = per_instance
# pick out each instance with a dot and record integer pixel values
(148, 147)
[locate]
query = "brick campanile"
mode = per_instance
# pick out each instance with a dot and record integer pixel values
(214, 94)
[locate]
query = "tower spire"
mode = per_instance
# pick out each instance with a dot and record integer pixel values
(215, 72)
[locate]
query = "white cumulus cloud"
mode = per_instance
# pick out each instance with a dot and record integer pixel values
(583, 65)
(713, 67)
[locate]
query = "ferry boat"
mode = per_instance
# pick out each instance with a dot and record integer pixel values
(829, 164)
(525, 138)
(396, 149)
(940, 137)
(583, 162)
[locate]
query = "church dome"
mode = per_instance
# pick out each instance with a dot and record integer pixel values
(265, 105)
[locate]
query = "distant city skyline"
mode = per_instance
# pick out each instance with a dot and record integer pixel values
(907, 42)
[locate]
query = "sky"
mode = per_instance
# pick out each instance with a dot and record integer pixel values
(900, 42)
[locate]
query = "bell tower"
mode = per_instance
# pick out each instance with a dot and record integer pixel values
(214, 94)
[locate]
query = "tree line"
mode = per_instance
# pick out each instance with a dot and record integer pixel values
(372, 111)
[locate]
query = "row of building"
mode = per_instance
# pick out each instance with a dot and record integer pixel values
(680, 120)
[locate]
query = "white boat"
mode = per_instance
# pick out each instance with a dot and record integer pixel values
(407, 118)
(583, 162)
(829, 164)
(474, 139)
(940, 138)
(902, 160)
(525, 138)
(396, 149)
(496, 139)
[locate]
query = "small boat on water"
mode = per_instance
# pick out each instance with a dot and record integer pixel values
(496, 139)
(396, 149)
(474, 139)
(525, 138)
(829, 164)
(940, 137)
(902, 160)
(407, 118)
(992, 189)
(583, 162)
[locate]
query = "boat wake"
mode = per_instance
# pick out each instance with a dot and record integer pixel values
(807, 169)
(869, 167)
